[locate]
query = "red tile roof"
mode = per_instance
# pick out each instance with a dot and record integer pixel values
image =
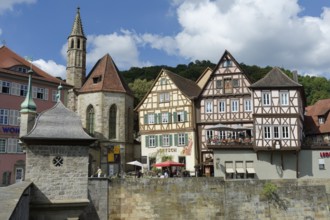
(105, 77)
(320, 109)
(9, 59)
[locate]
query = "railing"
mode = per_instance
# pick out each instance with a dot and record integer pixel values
(230, 143)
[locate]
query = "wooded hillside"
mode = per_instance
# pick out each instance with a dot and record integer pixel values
(141, 79)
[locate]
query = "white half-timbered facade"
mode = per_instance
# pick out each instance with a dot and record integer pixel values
(166, 121)
(225, 99)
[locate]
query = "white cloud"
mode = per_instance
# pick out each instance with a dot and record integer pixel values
(255, 31)
(51, 67)
(6, 5)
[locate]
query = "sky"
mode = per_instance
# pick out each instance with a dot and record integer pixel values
(293, 34)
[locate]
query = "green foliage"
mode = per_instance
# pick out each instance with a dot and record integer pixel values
(166, 157)
(141, 79)
(269, 190)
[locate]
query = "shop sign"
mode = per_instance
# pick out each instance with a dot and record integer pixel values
(167, 150)
(10, 130)
(324, 154)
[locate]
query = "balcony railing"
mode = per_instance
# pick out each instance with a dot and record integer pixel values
(241, 143)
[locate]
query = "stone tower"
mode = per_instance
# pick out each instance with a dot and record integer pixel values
(76, 60)
(57, 163)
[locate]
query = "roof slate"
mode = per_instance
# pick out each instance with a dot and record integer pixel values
(105, 77)
(275, 79)
(320, 108)
(59, 123)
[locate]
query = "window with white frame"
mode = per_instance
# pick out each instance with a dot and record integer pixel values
(222, 106)
(4, 115)
(14, 117)
(222, 135)
(247, 105)
(5, 87)
(227, 63)
(15, 89)
(284, 98)
(164, 97)
(23, 90)
(151, 119)
(235, 83)
(209, 135)
(54, 95)
(321, 164)
(12, 145)
(166, 140)
(234, 105)
(152, 141)
(276, 132)
(3, 145)
(208, 106)
(39, 93)
(321, 120)
(181, 139)
(266, 98)
(285, 132)
(180, 116)
(267, 132)
(165, 117)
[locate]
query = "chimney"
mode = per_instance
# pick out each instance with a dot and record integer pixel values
(295, 75)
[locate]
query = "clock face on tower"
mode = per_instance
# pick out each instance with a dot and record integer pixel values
(58, 161)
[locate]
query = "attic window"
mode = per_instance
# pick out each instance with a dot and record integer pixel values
(97, 79)
(321, 120)
(227, 63)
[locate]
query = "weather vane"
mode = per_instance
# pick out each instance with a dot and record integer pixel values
(30, 59)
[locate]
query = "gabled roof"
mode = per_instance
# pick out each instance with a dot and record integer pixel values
(77, 28)
(204, 77)
(105, 77)
(320, 109)
(59, 124)
(275, 79)
(9, 59)
(226, 56)
(188, 87)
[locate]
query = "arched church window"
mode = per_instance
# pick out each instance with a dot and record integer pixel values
(112, 121)
(90, 118)
(78, 44)
(72, 43)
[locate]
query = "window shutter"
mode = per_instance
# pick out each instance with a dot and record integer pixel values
(145, 119)
(156, 141)
(34, 92)
(176, 139)
(147, 141)
(159, 118)
(185, 139)
(0, 86)
(185, 115)
(160, 140)
(169, 115)
(175, 117)
(46, 94)
(171, 141)
(156, 122)
(15, 89)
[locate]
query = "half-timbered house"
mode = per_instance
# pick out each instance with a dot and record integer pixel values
(167, 121)
(224, 112)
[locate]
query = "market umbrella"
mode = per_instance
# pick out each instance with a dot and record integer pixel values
(219, 127)
(169, 163)
(135, 163)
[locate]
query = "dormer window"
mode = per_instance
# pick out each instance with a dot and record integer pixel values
(321, 120)
(97, 79)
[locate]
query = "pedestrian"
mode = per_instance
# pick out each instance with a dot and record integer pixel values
(99, 172)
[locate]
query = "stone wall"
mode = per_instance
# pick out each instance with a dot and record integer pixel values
(213, 198)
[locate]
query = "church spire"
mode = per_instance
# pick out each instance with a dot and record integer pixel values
(28, 105)
(76, 54)
(77, 29)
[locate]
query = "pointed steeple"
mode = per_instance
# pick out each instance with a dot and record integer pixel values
(28, 105)
(77, 29)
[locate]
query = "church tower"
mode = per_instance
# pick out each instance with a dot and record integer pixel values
(76, 54)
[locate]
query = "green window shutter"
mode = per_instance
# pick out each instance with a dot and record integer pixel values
(176, 139)
(175, 117)
(171, 141)
(169, 117)
(156, 141)
(185, 139)
(155, 115)
(145, 119)
(159, 118)
(147, 141)
(160, 140)
(185, 115)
